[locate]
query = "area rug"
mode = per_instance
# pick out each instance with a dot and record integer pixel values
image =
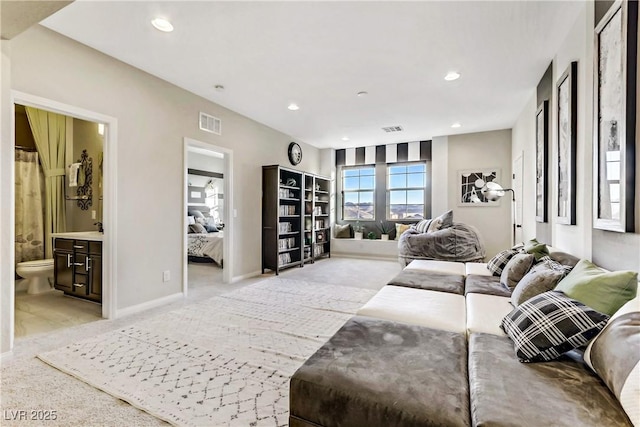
(225, 361)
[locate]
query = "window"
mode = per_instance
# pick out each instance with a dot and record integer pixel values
(405, 191)
(358, 188)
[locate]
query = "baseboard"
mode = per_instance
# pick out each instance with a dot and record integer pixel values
(235, 279)
(364, 256)
(149, 304)
(6, 356)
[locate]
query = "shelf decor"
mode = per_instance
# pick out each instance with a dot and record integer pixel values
(567, 89)
(615, 87)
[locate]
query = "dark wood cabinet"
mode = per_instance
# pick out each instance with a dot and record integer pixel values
(78, 268)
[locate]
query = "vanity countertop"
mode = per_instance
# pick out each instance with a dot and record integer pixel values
(80, 235)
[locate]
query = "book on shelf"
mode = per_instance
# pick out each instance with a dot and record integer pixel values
(286, 243)
(284, 258)
(284, 227)
(287, 210)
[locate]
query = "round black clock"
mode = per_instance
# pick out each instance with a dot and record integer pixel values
(295, 153)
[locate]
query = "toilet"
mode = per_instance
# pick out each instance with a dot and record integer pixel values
(36, 274)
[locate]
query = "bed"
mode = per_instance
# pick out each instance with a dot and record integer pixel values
(205, 246)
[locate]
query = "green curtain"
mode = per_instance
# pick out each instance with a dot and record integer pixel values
(49, 132)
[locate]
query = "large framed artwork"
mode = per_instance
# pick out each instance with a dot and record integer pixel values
(567, 89)
(542, 162)
(615, 62)
(471, 181)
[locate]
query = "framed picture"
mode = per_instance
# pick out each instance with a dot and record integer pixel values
(471, 181)
(615, 63)
(567, 90)
(542, 161)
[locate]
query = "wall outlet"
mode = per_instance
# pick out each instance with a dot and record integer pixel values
(166, 276)
(93, 214)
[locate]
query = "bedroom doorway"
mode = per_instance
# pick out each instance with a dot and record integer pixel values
(207, 208)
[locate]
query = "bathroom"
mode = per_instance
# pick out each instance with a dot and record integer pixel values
(70, 212)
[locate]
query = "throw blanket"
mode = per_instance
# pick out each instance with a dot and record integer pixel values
(460, 242)
(206, 245)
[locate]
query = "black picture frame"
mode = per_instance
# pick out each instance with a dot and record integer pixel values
(542, 161)
(615, 87)
(566, 95)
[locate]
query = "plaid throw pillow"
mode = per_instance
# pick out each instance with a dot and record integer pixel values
(498, 262)
(550, 324)
(422, 226)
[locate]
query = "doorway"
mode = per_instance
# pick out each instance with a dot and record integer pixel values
(108, 126)
(208, 211)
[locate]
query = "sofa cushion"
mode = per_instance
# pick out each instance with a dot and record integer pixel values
(477, 268)
(560, 393)
(449, 267)
(433, 309)
(500, 260)
(489, 285)
(549, 325)
(604, 291)
(417, 279)
(485, 313)
(542, 277)
(378, 373)
(515, 269)
(615, 356)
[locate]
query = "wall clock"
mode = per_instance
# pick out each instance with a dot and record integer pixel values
(295, 153)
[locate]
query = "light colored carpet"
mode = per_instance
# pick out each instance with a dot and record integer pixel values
(29, 384)
(233, 366)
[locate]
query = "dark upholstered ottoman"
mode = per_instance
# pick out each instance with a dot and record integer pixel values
(564, 392)
(374, 372)
(453, 283)
(488, 285)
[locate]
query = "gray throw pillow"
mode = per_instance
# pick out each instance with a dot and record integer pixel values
(445, 220)
(342, 231)
(542, 277)
(515, 269)
(197, 228)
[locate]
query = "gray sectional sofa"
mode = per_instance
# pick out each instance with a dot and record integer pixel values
(427, 350)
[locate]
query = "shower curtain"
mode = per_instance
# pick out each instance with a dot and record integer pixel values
(29, 221)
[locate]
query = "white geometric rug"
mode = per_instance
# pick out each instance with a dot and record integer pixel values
(225, 361)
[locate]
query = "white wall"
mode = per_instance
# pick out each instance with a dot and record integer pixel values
(153, 118)
(205, 163)
(7, 254)
(578, 46)
(524, 142)
(482, 150)
(439, 175)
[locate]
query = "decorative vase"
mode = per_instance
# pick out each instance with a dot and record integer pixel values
(357, 235)
(384, 237)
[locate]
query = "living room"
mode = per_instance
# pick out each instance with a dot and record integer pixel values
(154, 116)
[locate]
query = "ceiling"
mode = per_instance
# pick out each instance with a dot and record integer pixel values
(319, 55)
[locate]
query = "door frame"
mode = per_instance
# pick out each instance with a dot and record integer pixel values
(228, 211)
(109, 197)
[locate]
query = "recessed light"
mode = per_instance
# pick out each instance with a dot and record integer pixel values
(456, 125)
(293, 107)
(452, 75)
(345, 138)
(162, 25)
(362, 93)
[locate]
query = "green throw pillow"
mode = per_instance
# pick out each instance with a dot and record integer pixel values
(604, 291)
(536, 248)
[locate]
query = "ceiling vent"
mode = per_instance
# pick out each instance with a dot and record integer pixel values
(210, 124)
(392, 129)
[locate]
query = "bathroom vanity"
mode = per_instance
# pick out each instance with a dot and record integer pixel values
(78, 264)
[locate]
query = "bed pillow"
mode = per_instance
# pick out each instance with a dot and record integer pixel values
(401, 228)
(197, 228)
(498, 262)
(516, 268)
(604, 291)
(550, 324)
(543, 277)
(191, 220)
(196, 213)
(342, 231)
(210, 228)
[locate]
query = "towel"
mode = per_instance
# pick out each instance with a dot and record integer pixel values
(72, 173)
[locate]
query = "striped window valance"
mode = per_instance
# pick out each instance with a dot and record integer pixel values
(390, 153)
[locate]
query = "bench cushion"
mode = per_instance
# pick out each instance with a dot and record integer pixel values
(449, 267)
(505, 392)
(433, 309)
(489, 285)
(379, 373)
(432, 281)
(485, 313)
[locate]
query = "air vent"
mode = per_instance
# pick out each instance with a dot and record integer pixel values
(393, 129)
(210, 124)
